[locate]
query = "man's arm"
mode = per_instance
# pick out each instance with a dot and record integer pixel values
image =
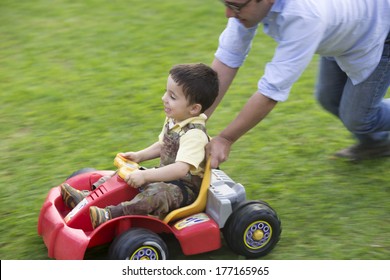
(226, 75)
(257, 107)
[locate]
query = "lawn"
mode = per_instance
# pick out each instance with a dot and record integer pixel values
(82, 80)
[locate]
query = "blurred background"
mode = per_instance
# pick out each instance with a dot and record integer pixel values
(81, 81)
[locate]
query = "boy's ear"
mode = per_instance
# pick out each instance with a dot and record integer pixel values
(196, 109)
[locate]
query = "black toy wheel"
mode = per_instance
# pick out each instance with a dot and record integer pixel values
(253, 229)
(138, 244)
(81, 171)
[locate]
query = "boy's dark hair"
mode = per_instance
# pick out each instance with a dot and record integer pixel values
(200, 83)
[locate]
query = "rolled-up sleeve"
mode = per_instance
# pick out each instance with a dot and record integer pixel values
(297, 44)
(235, 43)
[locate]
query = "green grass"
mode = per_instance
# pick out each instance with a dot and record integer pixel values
(83, 80)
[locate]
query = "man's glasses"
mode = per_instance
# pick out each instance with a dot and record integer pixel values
(236, 8)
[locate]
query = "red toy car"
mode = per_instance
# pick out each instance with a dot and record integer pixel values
(250, 228)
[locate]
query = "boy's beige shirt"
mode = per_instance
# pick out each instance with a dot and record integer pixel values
(192, 143)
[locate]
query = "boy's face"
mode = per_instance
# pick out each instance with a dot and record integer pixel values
(175, 103)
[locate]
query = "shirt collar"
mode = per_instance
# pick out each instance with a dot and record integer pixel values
(277, 7)
(198, 119)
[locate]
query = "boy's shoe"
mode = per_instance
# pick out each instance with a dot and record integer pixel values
(99, 216)
(360, 152)
(72, 196)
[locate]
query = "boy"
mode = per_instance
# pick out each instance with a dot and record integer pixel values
(191, 89)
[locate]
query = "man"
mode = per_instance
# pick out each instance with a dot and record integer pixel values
(352, 37)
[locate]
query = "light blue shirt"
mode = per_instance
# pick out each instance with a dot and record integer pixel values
(351, 31)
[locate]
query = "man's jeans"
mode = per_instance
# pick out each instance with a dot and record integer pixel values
(362, 107)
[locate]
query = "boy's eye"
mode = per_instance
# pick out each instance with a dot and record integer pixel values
(170, 94)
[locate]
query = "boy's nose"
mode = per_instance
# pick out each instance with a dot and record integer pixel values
(163, 97)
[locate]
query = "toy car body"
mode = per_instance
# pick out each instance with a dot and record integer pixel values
(250, 228)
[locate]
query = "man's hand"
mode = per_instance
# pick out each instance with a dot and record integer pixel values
(218, 149)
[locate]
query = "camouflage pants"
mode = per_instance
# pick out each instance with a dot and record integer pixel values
(156, 199)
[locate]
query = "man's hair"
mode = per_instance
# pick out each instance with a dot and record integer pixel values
(200, 83)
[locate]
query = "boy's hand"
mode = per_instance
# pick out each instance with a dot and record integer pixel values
(133, 156)
(136, 179)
